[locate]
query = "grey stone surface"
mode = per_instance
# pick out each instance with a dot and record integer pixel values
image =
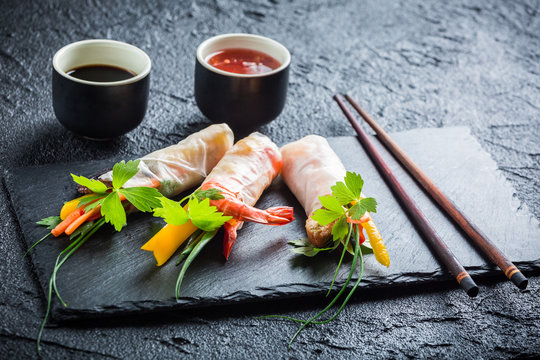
(410, 64)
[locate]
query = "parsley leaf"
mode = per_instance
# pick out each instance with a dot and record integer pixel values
(342, 193)
(212, 194)
(82, 230)
(123, 171)
(199, 211)
(366, 249)
(303, 242)
(305, 250)
(370, 204)
(143, 198)
(113, 211)
(325, 217)
(94, 204)
(355, 183)
(304, 247)
(357, 211)
(50, 222)
(172, 212)
(88, 199)
(340, 228)
(204, 216)
(332, 204)
(93, 185)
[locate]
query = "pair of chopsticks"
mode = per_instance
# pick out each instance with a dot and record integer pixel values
(429, 234)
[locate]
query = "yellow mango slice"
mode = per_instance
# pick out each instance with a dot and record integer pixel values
(70, 206)
(168, 240)
(376, 242)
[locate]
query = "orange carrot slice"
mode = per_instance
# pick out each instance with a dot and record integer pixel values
(80, 220)
(60, 228)
(91, 215)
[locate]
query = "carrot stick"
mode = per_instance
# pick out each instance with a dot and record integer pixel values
(91, 215)
(77, 217)
(96, 215)
(80, 220)
(60, 228)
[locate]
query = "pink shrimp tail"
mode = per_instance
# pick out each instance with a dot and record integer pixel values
(229, 237)
(280, 215)
(232, 206)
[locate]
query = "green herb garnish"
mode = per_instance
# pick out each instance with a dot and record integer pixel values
(342, 208)
(189, 244)
(112, 210)
(346, 200)
(201, 241)
(50, 222)
(202, 215)
(145, 199)
(199, 211)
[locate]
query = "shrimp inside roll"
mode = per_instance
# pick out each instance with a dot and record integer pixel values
(242, 175)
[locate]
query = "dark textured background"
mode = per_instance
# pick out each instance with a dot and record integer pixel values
(411, 64)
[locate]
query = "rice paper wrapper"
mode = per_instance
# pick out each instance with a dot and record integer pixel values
(310, 169)
(183, 165)
(248, 168)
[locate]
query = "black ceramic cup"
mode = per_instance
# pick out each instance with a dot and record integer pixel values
(244, 101)
(100, 110)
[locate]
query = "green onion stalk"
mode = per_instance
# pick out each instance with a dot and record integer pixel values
(80, 239)
(354, 231)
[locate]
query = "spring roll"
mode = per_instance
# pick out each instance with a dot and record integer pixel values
(184, 165)
(310, 169)
(242, 176)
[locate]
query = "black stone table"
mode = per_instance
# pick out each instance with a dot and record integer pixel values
(411, 64)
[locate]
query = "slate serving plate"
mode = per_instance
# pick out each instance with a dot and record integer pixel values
(110, 275)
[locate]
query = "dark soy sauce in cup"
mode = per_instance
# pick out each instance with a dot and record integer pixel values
(101, 73)
(242, 61)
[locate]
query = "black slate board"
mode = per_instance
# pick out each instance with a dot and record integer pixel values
(110, 275)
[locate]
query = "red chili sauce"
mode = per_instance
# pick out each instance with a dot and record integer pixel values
(242, 61)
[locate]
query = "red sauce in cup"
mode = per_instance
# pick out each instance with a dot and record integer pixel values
(242, 61)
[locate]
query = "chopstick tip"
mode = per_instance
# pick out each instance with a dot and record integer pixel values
(520, 280)
(470, 287)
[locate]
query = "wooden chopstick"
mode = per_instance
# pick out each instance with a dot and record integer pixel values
(479, 239)
(429, 234)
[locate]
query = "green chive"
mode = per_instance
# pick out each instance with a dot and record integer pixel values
(205, 239)
(353, 266)
(340, 260)
(190, 244)
(52, 281)
(36, 243)
(357, 246)
(355, 231)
